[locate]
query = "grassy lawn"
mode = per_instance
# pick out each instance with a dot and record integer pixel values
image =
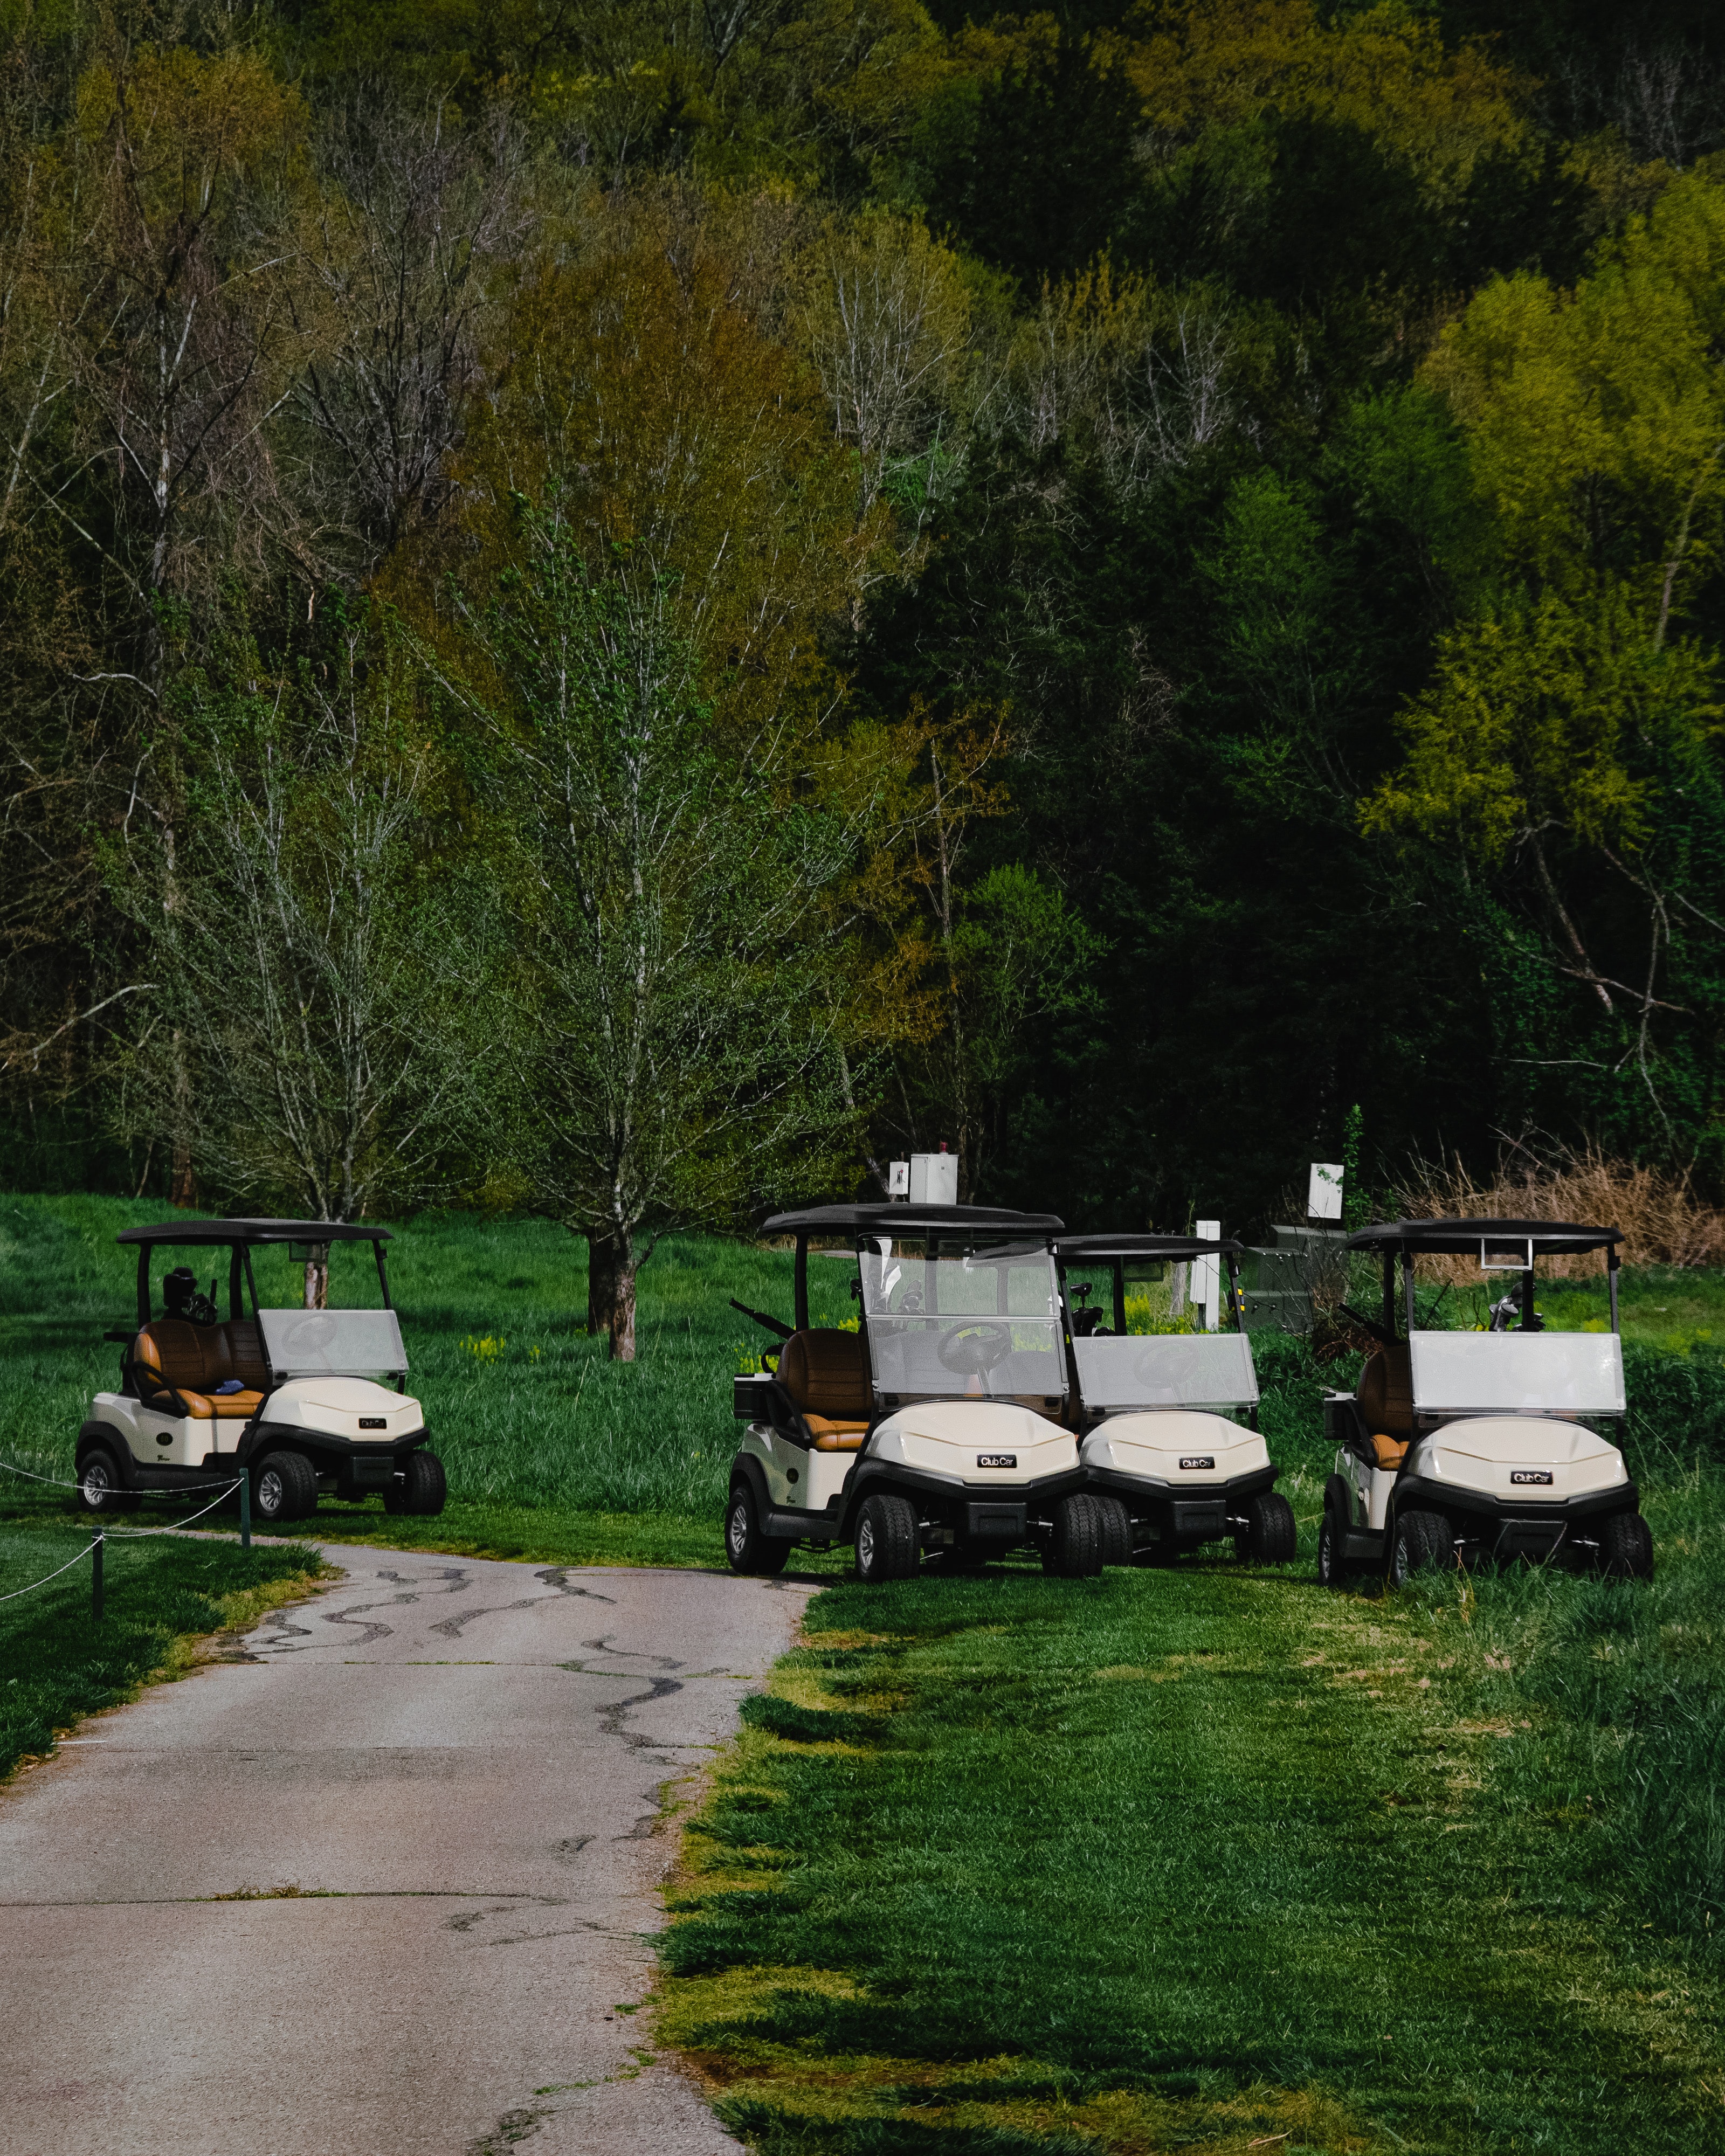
(1196, 1857)
(57, 1664)
(1210, 1857)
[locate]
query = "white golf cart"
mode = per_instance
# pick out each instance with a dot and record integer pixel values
(290, 1394)
(1460, 1445)
(938, 1426)
(1161, 1442)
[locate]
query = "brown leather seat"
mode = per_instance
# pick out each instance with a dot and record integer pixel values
(1386, 1402)
(826, 1373)
(171, 1356)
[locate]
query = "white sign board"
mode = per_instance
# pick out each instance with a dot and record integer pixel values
(1323, 1200)
(1207, 1275)
(898, 1179)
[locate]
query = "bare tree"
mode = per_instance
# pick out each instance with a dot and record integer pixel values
(416, 214)
(663, 926)
(300, 950)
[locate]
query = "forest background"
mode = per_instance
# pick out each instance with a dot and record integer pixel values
(630, 609)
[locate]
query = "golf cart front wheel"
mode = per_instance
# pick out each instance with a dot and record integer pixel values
(1422, 1542)
(886, 1539)
(1626, 1547)
(422, 1489)
(1117, 1531)
(1075, 1548)
(747, 1550)
(1269, 1536)
(284, 1487)
(1332, 1548)
(99, 1488)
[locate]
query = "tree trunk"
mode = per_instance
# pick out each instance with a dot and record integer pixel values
(611, 1290)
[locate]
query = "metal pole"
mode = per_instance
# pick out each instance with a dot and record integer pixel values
(96, 1540)
(245, 1507)
(1611, 1275)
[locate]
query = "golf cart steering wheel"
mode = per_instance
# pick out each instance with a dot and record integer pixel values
(970, 1350)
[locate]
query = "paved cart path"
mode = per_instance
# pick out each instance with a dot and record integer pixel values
(454, 1767)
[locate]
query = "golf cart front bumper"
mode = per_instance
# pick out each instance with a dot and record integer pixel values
(353, 1464)
(1513, 1526)
(1205, 1511)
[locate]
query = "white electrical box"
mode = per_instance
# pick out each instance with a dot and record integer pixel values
(1323, 1200)
(898, 1179)
(934, 1179)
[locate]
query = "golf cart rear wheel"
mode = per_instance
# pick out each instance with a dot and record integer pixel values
(1269, 1536)
(1075, 1548)
(1117, 1531)
(1626, 1547)
(1332, 1548)
(747, 1550)
(1422, 1542)
(284, 1487)
(100, 1486)
(423, 1488)
(886, 1539)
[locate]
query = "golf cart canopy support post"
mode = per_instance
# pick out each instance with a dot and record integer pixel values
(899, 1221)
(1118, 1251)
(237, 1237)
(1471, 1236)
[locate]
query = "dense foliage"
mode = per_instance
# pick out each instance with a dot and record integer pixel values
(1133, 591)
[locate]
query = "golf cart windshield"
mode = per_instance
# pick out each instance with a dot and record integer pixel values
(323, 1344)
(980, 1321)
(1167, 1370)
(1517, 1372)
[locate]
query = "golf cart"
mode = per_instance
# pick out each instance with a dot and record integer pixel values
(1460, 1445)
(937, 1425)
(1161, 1442)
(290, 1394)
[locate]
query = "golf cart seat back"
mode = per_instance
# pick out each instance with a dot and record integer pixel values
(826, 1373)
(1386, 1402)
(171, 1357)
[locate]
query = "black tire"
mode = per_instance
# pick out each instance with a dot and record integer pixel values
(424, 1488)
(747, 1550)
(1333, 1565)
(1117, 1531)
(1626, 1547)
(1075, 1548)
(284, 1487)
(886, 1539)
(1419, 1541)
(101, 1483)
(1270, 1537)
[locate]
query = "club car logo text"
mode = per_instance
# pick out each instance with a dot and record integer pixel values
(1198, 1459)
(1524, 1475)
(997, 1460)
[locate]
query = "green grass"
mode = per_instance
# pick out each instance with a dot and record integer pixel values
(58, 1663)
(1206, 1857)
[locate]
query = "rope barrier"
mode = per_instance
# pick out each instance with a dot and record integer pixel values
(54, 1482)
(145, 1534)
(47, 1576)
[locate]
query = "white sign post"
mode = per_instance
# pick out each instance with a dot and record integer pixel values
(1207, 1275)
(1323, 1200)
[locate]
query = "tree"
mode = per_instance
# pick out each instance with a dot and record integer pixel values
(657, 955)
(300, 937)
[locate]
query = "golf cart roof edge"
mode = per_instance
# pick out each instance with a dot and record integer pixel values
(212, 1232)
(1143, 1246)
(1460, 1235)
(897, 1216)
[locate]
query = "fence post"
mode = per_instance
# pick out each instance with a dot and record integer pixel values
(245, 1507)
(96, 1541)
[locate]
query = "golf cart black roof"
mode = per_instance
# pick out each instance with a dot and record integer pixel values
(909, 1220)
(1462, 1238)
(1078, 1248)
(227, 1232)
